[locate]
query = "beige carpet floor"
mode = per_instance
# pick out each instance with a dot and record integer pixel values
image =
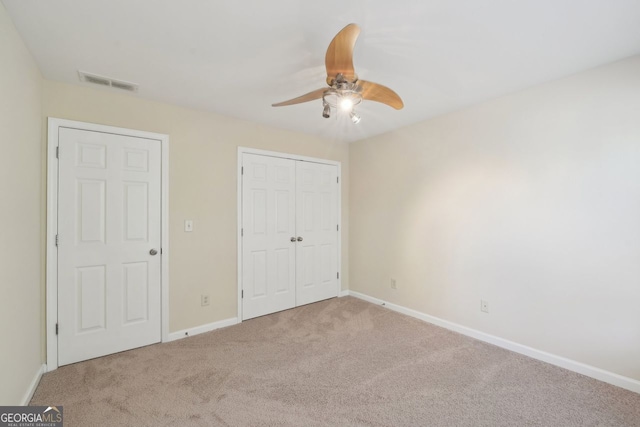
(341, 362)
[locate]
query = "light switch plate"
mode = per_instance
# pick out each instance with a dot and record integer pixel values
(188, 225)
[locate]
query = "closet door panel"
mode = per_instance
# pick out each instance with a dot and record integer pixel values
(268, 222)
(316, 225)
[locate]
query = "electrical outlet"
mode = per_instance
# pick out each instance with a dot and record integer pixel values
(204, 300)
(394, 285)
(188, 225)
(484, 306)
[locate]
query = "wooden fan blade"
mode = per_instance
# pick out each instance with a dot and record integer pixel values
(339, 57)
(379, 93)
(316, 94)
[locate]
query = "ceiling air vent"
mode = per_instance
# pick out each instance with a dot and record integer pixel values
(107, 81)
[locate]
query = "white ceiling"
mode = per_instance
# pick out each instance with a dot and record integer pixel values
(238, 57)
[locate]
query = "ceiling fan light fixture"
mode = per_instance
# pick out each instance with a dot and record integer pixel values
(343, 96)
(355, 117)
(346, 103)
(326, 112)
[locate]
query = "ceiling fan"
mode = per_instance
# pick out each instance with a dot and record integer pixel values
(345, 90)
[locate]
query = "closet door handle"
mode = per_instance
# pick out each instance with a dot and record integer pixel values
(299, 239)
(293, 239)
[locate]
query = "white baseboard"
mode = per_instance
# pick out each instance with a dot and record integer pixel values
(572, 365)
(343, 294)
(202, 329)
(34, 384)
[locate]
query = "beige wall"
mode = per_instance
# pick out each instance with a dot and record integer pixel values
(530, 201)
(20, 245)
(202, 187)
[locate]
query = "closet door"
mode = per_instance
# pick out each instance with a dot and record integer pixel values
(317, 233)
(268, 222)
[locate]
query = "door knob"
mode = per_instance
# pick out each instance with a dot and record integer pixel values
(293, 239)
(153, 252)
(299, 239)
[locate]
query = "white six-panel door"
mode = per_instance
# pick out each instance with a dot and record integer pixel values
(109, 213)
(289, 233)
(268, 218)
(316, 226)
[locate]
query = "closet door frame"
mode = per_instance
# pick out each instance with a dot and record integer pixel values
(246, 150)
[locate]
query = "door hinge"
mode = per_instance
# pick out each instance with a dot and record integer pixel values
(337, 227)
(56, 329)
(57, 240)
(160, 251)
(337, 180)
(338, 275)
(241, 232)
(242, 170)
(242, 294)
(58, 152)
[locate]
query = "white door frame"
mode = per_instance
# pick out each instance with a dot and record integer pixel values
(52, 225)
(243, 150)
